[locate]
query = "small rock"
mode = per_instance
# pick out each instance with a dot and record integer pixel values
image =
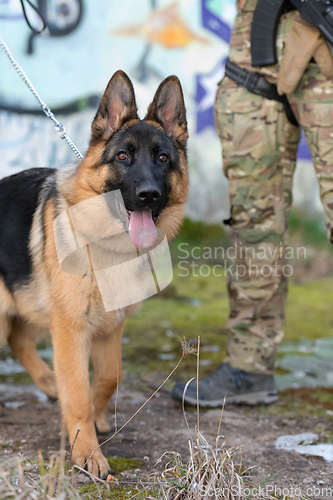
(308, 480)
(110, 478)
(82, 479)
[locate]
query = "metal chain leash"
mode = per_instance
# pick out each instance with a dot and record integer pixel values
(57, 124)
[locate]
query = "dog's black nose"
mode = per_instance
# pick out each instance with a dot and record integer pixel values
(148, 193)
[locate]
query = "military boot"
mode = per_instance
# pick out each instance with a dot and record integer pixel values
(238, 386)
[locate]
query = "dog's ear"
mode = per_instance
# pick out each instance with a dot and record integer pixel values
(116, 107)
(168, 109)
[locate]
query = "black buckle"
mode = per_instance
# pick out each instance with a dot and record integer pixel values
(246, 78)
(243, 77)
(252, 81)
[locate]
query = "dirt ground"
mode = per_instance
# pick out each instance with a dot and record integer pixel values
(30, 422)
(197, 306)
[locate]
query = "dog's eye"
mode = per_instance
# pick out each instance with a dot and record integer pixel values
(163, 158)
(122, 155)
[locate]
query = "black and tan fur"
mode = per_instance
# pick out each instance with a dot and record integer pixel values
(36, 296)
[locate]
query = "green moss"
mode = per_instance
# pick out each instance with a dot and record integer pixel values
(121, 464)
(199, 306)
(309, 229)
(305, 402)
(118, 489)
(309, 310)
(117, 492)
(306, 228)
(91, 491)
(199, 233)
(279, 497)
(16, 378)
(195, 306)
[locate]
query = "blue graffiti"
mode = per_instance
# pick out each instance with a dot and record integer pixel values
(212, 23)
(11, 17)
(205, 114)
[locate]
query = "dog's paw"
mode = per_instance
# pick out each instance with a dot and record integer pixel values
(102, 424)
(97, 465)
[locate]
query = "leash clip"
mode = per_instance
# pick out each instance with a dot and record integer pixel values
(61, 129)
(57, 124)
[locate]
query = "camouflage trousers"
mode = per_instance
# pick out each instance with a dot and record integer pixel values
(259, 156)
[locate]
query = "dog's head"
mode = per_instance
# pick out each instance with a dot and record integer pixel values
(144, 159)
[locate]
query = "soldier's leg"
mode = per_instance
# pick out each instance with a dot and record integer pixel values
(313, 104)
(259, 155)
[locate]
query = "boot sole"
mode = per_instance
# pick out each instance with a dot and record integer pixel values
(250, 399)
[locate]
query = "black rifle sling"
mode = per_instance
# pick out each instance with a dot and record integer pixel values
(257, 84)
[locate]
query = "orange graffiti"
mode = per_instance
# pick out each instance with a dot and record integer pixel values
(165, 27)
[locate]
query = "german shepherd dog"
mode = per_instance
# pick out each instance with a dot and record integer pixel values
(146, 161)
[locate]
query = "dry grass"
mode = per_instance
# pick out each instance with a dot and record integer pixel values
(22, 479)
(209, 473)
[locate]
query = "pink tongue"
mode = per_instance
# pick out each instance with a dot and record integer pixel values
(142, 230)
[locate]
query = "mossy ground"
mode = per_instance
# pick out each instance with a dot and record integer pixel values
(193, 306)
(196, 305)
(118, 489)
(303, 402)
(199, 306)
(118, 465)
(116, 492)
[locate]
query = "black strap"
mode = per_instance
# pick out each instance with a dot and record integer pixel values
(257, 84)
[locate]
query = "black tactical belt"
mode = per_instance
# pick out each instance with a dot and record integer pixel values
(257, 84)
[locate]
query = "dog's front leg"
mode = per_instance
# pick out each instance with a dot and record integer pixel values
(106, 358)
(71, 361)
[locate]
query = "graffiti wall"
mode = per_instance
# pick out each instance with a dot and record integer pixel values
(71, 63)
